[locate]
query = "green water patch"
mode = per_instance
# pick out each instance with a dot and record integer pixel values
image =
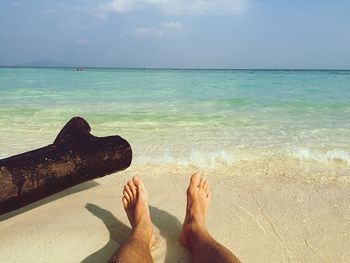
(162, 118)
(18, 112)
(233, 102)
(237, 102)
(313, 107)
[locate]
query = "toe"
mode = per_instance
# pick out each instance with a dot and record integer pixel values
(132, 188)
(139, 185)
(193, 187)
(125, 202)
(126, 196)
(208, 196)
(195, 178)
(136, 180)
(201, 183)
(128, 190)
(206, 185)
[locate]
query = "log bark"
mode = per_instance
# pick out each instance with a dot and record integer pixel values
(75, 156)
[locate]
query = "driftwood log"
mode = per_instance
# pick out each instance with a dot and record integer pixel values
(75, 156)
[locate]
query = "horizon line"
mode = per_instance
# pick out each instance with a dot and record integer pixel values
(178, 68)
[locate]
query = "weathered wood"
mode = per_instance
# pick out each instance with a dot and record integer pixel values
(75, 156)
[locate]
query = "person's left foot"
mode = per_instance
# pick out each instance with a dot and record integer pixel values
(135, 201)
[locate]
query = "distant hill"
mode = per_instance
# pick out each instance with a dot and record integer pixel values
(46, 63)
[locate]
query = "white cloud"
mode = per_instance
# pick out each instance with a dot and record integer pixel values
(118, 6)
(165, 28)
(148, 31)
(173, 25)
(198, 7)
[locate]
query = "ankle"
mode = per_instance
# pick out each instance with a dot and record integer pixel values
(196, 232)
(142, 232)
(144, 227)
(197, 228)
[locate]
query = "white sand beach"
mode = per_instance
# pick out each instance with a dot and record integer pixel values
(260, 213)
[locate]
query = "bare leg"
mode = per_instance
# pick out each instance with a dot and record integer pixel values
(194, 235)
(137, 247)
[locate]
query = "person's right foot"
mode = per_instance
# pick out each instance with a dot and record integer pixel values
(198, 197)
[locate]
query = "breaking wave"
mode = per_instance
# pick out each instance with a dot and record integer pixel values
(334, 155)
(206, 159)
(200, 159)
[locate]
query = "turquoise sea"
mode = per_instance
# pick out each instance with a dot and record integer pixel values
(203, 118)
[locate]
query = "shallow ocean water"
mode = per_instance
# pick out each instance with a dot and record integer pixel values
(203, 118)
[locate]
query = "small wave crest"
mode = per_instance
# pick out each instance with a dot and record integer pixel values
(334, 155)
(224, 158)
(200, 159)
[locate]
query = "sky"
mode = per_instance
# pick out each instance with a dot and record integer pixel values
(274, 34)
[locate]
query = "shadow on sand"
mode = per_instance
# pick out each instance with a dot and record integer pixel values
(69, 191)
(168, 225)
(118, 234)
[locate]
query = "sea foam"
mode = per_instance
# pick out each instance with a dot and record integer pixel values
(334, 155)
(202, 159)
